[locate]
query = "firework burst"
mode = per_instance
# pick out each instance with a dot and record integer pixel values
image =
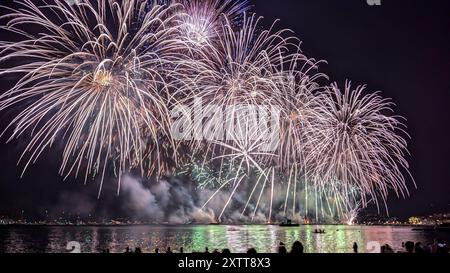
(92, 77)
(355, 142)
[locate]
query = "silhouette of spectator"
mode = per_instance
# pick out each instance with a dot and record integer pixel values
(169, 250)
(156, 250)
(181, 250)
(409, 246)
(252, 251)
(127, 249)
(355, 247)
(282, 248)
(297, 248)
(386, 249)
(389, 249)
(442, 248)
(138, 250)
(206, 250)
(428, 248)
(226, 251)
(418, 248)
(434, 246)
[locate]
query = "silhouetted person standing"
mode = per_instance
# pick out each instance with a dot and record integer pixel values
(355, 247)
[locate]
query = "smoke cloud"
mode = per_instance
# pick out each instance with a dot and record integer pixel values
(165, 202)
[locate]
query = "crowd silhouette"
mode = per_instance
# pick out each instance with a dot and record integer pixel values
(435, 247)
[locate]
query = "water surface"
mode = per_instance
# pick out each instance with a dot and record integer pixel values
(265, 238)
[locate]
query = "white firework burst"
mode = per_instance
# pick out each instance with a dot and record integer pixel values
(356, 142)
(91, 74)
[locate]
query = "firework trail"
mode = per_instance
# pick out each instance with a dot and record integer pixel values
(203, 20)
(298, 86)
(351, 215)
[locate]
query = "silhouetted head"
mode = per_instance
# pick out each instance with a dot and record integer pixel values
(297, 248)
(251, 251)
(418, 248)
(282, 249)
(409, 246)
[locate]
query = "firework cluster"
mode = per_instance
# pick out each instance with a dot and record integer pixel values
(105, 77)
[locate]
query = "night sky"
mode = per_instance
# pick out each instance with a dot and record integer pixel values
(400, 48)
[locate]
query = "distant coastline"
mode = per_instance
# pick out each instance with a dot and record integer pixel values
(414, 227)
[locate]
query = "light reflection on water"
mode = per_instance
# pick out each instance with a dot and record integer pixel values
(265, 238)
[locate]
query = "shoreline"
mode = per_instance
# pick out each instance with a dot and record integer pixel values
(414, 227)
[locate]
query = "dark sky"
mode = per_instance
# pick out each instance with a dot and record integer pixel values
(401, 48)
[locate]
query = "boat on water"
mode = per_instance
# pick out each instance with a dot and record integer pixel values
(289, 223)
